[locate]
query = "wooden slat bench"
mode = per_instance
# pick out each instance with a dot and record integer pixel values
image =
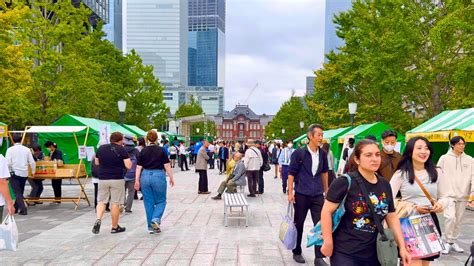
(236, 200)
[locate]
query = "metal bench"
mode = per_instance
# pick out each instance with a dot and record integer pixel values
(236, 200)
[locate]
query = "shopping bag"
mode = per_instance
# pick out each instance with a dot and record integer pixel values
(288, 232)
(315, 235)
(8, 234)
(421, 236)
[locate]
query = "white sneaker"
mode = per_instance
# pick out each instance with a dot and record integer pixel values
(457, 248)
(447, 248)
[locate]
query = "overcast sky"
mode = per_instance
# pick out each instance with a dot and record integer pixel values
(275, 43)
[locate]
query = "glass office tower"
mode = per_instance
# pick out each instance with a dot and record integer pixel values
(333, 7)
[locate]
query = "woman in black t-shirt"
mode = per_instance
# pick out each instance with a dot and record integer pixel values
(150, 176)
(354, 240)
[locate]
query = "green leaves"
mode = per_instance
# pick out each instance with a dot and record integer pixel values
(53, 63)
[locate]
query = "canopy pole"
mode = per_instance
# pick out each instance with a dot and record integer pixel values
(24, 135)
(75, 138)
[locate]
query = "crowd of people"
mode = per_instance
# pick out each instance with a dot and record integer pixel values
(307, 174)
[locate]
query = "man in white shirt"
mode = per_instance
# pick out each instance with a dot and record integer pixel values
(5, 198)
(253, 161)
(284, 162)
(210, 153)
(18, 158)
(182, 156)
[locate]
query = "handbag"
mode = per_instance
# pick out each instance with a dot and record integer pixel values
(266, 167)
(387, 252)
(403, 208)
(8, 234)
(315, 236)
(288, 231)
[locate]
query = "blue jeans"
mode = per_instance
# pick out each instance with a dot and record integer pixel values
(153, 186)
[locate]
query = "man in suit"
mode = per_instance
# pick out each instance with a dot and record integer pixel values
(236, 178)
(223, 157)
(201, 168)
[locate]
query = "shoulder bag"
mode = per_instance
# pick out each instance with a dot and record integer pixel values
(315, 236)
(387, 252)
(404, 209)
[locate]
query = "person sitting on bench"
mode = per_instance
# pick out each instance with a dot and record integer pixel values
(236, 178)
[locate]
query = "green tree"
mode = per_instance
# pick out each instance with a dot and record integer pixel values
(288, 117)
(189, 109)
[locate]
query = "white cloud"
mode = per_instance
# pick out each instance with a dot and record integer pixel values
(275, 43)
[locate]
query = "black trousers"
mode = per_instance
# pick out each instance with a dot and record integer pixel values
(302, 205)
(222, 165)
(211, 160)
(343, 259)
(261, 184)
(252, 177)
(184, 162)
(36, 187)
(202, 181)
(18, 186)
(96, 191)
(56, 184)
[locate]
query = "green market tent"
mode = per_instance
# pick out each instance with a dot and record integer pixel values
(4, 135)
(66, 142)
(138, 131)
(441, 128)
(300, 141)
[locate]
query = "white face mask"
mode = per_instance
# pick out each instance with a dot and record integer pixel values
(290, 145)
(389, 148)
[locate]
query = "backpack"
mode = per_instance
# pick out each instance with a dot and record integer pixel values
(130, 175)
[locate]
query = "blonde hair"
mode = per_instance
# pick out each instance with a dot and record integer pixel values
(152, 136)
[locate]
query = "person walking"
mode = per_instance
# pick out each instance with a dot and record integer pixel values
(191, 153)
(182, 155)
(18, 159)
(223, 156)
(354, 240)
(133, 154)
(284, 162)
(416, 163)
(201, 168)
(308, 175)
(5, 197)
(390, 157)
(113, 161)
(151, 178)
(210, 154)
(331, 175)
(55, 155)
(236, 178)
(253, 161)
(456, 184)
(276, 153)
(173, 155)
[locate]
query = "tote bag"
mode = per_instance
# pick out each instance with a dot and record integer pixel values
(8, 234)
(288, 232)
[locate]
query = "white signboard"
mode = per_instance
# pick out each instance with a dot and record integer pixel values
(82, 152)
(90, 153)
(105, 132)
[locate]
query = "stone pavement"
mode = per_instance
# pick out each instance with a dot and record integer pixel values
(193, 232)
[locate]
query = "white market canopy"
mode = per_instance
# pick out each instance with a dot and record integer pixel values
(55, 129)
(446, 125)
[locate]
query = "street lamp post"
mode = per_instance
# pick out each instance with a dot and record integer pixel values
(122, 105)
(352, 112)
(301, 126)
(283, 132)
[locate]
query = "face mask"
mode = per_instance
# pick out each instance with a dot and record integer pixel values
(389, 148)
(290, 145)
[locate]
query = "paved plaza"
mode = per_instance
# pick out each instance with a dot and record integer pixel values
(193, 232)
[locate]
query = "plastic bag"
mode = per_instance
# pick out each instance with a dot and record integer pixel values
(288, 231)
(8, 234)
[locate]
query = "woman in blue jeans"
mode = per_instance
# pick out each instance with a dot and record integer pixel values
(152, 163)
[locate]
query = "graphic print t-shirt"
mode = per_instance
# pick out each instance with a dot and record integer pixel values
(357, 232)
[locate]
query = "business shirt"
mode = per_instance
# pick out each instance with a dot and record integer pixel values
(18, 158)
(285, 156)
(182, 150)
(315, 158)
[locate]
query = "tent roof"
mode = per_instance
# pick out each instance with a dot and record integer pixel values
(2, 124)
(331, 133)
(55, 129)
(94, 124)
(462, 119)
(138, 131)
(363, 130)
(300, 138)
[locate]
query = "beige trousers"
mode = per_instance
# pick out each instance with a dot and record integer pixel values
(453, 216)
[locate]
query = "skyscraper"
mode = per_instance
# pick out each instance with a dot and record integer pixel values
(158, 31)
(100, 10)
(206, 54)
(310, 85)
(333, 7)
(113, 29)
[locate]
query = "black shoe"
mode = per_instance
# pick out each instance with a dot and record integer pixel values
(284, 191)
(96, 227)
(299, 258)
(107, 210)
(275, 177)
(128, 211)
(319, 262)
(117, 229)
(23, 213)
(217, 197)
(251, 195)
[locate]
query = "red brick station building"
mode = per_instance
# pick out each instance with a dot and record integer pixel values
(241, 124)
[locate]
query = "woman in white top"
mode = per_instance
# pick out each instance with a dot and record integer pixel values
(416, 161)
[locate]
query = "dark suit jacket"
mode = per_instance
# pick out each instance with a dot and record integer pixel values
(224, 150)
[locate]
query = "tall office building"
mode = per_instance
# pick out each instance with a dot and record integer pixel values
(100, 10)
(310, 85)
(333, 7)
(158, 31)
(206, 54)
(113, 29)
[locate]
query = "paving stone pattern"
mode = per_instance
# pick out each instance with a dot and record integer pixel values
(193, 232)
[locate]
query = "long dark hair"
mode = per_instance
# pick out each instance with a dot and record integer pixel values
(352, 166)
(406, 163)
